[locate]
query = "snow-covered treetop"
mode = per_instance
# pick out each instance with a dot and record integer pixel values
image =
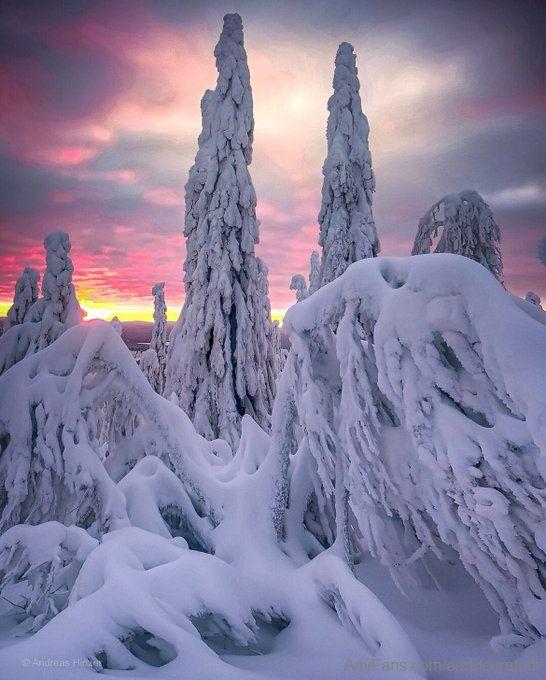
(159, 332)
(533, 298)
(468, 228)
(59, 307)
(56, 311)
(314, 272)
(347, 228)
(299, 284)
(116, 325)
(26, 294)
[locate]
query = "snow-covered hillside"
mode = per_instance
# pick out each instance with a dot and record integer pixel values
(408, 434)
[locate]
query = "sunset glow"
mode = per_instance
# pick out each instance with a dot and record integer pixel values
(99, 123)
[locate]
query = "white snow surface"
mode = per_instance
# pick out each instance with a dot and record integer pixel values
(408, 434)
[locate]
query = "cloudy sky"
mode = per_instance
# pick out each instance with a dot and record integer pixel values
(99, 117)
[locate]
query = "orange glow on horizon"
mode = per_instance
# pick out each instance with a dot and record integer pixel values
(127, 312)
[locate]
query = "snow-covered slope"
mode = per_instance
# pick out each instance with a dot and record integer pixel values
(408, 437)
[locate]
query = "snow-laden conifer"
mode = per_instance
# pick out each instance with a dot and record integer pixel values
(429, 430)
(314, 272)
(221, 362)
(26, 294)
(467, 228)
(159, 334)
(58, 308)
(116, 325)
(533, 298)
(347, 228)
(51, 315)
(299, 284)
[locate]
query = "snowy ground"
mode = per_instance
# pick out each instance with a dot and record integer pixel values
(450, 628)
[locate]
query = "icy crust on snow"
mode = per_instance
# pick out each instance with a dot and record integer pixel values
(221, 362)
(417, 385)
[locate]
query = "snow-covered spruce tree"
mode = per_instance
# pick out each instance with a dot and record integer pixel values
(58, 308)
(299, 284)
(221, 361)
(159, 334)
(26, 294)
(347, 228)
(533, 298)
(468, 228)
(314, 272)
(52, 314)
(116, 325)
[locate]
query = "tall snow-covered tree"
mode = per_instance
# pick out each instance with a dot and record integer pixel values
(159, 333)
(298, 282)
(467, 228)
(26, 294)
(221, 362)
(347, 228)
(314, 272)
(58, 308)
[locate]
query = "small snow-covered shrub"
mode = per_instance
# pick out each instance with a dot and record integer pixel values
(46, 560)
(466, 226)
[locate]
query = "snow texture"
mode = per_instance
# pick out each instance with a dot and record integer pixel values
(221, 362)
(26, 294)
(347, 228)
(414, 387)
(468, 228)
